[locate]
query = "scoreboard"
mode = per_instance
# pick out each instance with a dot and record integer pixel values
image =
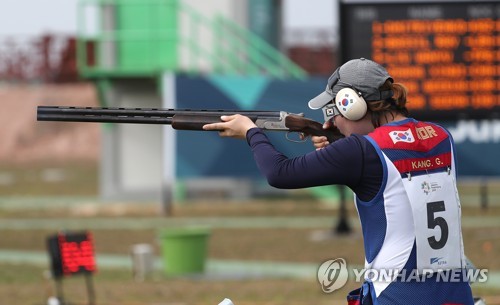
(446, 53)
(71, 253)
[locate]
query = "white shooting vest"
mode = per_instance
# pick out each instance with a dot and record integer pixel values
(418, 204)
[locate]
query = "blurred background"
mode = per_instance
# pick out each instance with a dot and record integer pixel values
(146, 195)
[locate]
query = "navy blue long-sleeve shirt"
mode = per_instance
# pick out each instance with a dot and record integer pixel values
(351, 161)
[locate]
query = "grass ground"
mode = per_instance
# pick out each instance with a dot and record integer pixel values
(48, 179)
(24, 284)
(231, 239)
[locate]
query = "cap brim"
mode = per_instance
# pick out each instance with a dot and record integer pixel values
(320, 101)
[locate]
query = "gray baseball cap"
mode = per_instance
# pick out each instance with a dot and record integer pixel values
(362, 75)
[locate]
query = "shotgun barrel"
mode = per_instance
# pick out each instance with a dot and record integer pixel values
(183, 119)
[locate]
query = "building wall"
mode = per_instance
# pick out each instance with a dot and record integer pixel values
(131, 153)
(134, 155)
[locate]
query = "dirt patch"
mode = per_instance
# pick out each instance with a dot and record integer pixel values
(24, 140)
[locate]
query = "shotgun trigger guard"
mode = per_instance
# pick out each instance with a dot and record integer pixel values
(302, 136)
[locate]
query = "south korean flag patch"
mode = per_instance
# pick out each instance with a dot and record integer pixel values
(402, 136)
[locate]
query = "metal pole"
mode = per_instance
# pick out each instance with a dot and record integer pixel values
(90, 288)
(343, 226)
(483, 193)
(59, 291)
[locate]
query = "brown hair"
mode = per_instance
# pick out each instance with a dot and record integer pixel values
(394, 104)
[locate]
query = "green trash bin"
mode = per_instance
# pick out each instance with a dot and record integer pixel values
(184, 250)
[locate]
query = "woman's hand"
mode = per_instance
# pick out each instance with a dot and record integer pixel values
(234, 126)
(321, 141)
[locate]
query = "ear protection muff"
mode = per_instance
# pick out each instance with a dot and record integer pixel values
(350, 104)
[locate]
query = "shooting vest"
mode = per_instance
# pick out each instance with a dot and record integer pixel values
(413, 223)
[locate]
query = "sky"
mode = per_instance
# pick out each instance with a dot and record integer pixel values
(35, 17)
(309, 13)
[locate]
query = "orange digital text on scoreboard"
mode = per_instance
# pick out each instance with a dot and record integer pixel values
(448, 64)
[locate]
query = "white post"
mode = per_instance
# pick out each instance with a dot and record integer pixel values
(169, 143)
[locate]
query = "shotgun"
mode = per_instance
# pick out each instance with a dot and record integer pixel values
(186, 119)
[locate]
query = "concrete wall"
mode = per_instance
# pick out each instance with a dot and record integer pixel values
(131, 153)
